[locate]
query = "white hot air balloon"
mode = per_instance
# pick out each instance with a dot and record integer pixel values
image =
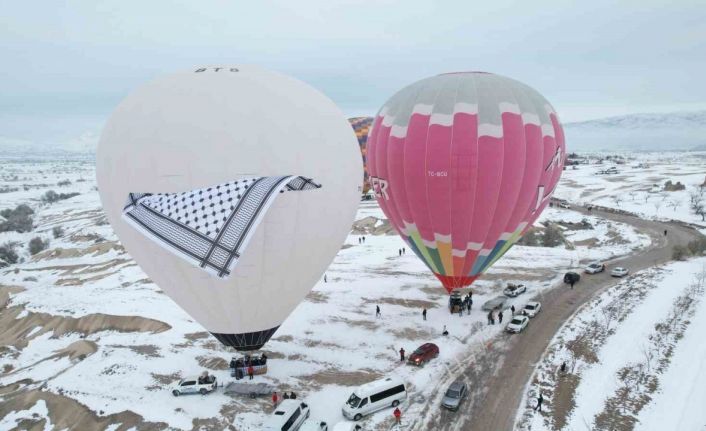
(233, 188)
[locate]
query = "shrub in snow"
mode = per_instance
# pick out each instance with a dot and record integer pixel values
(63, 183)
(51, 196)
(671, 187)
(16, 220)
(552, 236)
(37, 244)
(697, 247)
(7, 254)
(57, 231)
(679, 252)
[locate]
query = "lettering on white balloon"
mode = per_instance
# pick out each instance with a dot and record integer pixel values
(379, 187)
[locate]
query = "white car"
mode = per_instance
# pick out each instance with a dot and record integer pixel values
(314, 425)
(564, 205)
(193, 385)
(517, 324)
(514, 290)
(532, 309)
(594, 268)
(619, 271)
(289, 415)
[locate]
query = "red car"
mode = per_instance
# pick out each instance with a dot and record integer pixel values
(423, 354)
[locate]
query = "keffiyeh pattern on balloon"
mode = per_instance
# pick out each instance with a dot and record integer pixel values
(210, 227)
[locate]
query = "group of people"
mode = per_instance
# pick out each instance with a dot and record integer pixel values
(205, 378)
(402, 251)
(286, 396)
(249, 363)
(361, 240)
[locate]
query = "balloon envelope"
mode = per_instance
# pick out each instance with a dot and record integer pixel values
(211, 126)
(462, 164)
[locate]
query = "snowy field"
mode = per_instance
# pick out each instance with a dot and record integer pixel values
(634, 358)
(639, 184)
(85, 330)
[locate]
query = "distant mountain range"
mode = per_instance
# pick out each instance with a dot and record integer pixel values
(676, 131)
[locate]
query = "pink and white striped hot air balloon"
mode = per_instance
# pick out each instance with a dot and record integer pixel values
(463, 164)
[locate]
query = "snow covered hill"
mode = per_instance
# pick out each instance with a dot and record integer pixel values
(674, 131)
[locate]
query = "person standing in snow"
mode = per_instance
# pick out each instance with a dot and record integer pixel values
(293, 396)
(424, 314)
(512, 308)
(540, 400)
(500, 317)
(571, 282)
(401, 354)
(251, 371)
(325, 279)
(491, 318)
(285, 396)
(398, 415)
(563, 367)
(445, 332)
(377, 311)
(274, 399)
(399, 252)
(470, 304)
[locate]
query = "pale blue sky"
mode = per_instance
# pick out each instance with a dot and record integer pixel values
(591, 59)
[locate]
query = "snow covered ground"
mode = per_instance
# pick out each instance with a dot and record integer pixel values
(634, 357)
(84, 323)
(639, 185)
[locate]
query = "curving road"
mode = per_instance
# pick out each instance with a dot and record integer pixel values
(500, 372)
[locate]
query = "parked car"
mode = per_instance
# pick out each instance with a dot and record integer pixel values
(347, 426)
(374, 396)
(531, 309)
(619, 271)
(454, 395)
(494, 304)
(514, 290)
(289, 415)
(424, 353)
(194, 385)
(571, 276)
(594, 268)
(517, 324)
(564, 205)
(314, 425)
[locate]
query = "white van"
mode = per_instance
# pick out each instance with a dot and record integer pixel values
(289, 416)
(374, 396)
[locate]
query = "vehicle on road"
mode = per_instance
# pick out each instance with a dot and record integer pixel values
(570, 277)
(454, 395)
(517, 324)
(594, 268)
(194, 385)
(494, 304)
(514, 290)
(374, 396)
(619, 271)
(565, 205)
(531, 309)
(289, 415)
(424, 353)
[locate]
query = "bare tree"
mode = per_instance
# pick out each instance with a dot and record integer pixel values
(697, 203)
(674, 204)
(616, 199)
(632, 194)
(658, 205)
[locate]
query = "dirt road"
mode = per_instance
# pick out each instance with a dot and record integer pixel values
(498, 374)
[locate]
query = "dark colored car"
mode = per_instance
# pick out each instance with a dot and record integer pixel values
(423, 354)
(570, 277)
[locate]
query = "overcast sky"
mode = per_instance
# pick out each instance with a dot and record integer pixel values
(77, 59)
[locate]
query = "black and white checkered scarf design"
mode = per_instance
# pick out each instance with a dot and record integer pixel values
(209, 227)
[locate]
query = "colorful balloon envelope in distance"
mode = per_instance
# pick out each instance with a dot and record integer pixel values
(186, 147)
(462, 164)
